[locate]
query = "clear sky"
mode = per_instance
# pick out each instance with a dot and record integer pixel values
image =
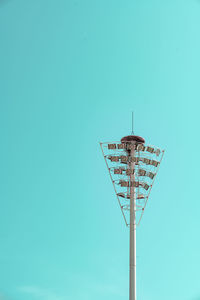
(71, 72)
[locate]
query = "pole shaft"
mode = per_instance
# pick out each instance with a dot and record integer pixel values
(132, 272)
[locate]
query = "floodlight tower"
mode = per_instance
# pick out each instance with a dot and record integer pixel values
(132, 166)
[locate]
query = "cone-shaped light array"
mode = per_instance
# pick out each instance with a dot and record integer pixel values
(146, 159)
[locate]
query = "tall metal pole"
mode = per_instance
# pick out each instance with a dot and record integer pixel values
(129, 146)
(132, 272)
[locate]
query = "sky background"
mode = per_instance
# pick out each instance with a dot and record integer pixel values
(71, 72)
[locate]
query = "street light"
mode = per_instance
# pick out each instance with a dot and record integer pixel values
(132, 166)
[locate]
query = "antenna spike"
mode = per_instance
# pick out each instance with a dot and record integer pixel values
(132, 123)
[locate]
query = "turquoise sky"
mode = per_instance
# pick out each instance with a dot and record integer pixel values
(71, 72)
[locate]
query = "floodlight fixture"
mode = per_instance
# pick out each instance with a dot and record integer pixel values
(132, 166)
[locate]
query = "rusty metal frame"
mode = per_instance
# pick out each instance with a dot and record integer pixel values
(147, 198)
(113, 182)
